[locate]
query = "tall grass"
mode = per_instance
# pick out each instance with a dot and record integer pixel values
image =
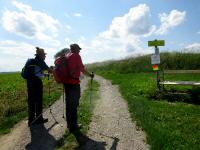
(187, 61)
(13, 99)
(181, 61)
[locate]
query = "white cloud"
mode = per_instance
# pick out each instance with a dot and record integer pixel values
(14, 54)
(68, 27)
(17, 23)
(123, 38)
(195, 48)
(136, 22)
(171, 20)
(16, 49)
(77, 14)
(29, 23)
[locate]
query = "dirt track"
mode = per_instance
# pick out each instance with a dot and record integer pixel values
(111, 127)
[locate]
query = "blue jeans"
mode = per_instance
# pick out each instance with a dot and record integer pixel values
(72, 96)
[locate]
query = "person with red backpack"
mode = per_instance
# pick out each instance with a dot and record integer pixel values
(68, 70)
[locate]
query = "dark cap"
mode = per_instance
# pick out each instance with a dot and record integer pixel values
(75, 47)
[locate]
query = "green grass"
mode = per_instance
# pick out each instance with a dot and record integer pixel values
(84, 117)
(13, 99)
(168, 125)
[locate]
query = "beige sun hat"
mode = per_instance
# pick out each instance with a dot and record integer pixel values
(40, 51)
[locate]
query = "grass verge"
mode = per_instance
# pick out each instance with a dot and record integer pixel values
(168, 125)
(84, 117)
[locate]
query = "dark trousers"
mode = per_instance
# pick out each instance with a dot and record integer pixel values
(72, 94)
(35, 97)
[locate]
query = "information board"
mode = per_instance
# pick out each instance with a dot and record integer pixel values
(155, 59)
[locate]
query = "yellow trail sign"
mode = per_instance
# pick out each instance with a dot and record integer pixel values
(156, 43)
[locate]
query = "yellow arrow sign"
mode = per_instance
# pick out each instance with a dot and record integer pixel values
(156, 43)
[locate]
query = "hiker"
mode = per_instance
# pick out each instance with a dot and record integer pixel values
(72, 87)
(35, 87)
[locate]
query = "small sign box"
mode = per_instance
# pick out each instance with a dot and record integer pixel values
(156, 43)
(155, 67)
(155, 59)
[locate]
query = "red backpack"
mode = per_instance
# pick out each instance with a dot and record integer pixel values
(61, 71)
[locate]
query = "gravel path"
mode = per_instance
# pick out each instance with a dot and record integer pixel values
(111, 127)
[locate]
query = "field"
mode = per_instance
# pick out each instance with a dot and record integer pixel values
(170, 122)
(13, 99)
(169, 125)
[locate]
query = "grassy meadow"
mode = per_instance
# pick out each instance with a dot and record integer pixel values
(13, 99)
(169, 125)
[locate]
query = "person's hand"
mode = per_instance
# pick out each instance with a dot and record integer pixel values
(51, 67)
(92, 75)
(46, 75)
(50, 70)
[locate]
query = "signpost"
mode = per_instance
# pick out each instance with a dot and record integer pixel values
(156, 43)
(155, 58)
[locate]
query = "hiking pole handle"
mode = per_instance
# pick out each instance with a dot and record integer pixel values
(92, 75)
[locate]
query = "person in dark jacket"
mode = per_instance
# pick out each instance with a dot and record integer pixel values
(35, 89)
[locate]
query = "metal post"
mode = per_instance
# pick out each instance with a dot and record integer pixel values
(156, 50)
(158, 72)
(158, 80)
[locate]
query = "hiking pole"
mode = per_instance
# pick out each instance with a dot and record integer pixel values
(51, 103)
(92, 76)
(48, 85)
(63, 101)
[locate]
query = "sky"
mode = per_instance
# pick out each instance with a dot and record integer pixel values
(104, 29)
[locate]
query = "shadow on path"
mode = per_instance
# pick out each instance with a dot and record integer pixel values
(85, 143)
(41, 139)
